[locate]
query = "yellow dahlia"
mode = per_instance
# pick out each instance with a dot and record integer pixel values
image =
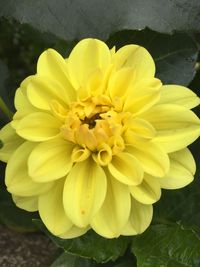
(94, 139)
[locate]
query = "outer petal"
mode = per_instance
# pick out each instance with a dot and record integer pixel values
(140, 129)
(26, 203)
(11, 141)
(17, 180)
(74, 231)
(50, 160)
(136, 57)
(84, 192)
(120, 82)
(140, 218)
(38, 126)
(126, 169)
(51, 64)
(42, 90)
(86, 57)
(176, 126)
(148, 191)
(153, 159)
(179, 95)
(50, 206)
(142, 96)
(182, 169)
(22, 104)
(115, 211)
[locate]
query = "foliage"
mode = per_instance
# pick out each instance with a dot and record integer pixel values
(27, 28)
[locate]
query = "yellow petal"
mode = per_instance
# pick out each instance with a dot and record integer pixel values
(115, 211)
(86, 57)
(153, 159)
(42, 90)
(17, 180)
(50, 206)
(26, 203)
(74, 231)
(140, 218)
(176, 126)
(138, 128)
(22, 105)
(182, 169)
(120, 82)
(148, 191)
(178, 95)
(51, 64)
(50, 160)
(38, 126)
(126, 168)
(142, 96)
(136, 57)
(80, 154)
(84, 192)
(11, 141)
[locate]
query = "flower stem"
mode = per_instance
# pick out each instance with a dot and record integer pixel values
(5, 109)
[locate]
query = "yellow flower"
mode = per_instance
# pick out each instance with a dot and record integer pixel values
(94, 139)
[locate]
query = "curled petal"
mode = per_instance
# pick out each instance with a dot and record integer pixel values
(104, 156)
(80, 154)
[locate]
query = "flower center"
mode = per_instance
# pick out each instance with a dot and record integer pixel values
(96, 127)
(91, 121)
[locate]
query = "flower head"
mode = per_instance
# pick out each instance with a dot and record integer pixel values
(95, 138)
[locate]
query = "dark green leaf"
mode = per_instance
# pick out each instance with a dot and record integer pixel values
(67, 260)
(13, 217)
(168, 246)
(175, 55)
(91, 245)
(77, 19)
(4, 111)
(180, 205)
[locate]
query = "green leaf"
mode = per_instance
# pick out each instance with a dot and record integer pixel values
(67, 260)
(91, 245)
(78, 19)
(175, 55)
(13, 217)
(168, 246)
(4, 110)
(180, 205)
